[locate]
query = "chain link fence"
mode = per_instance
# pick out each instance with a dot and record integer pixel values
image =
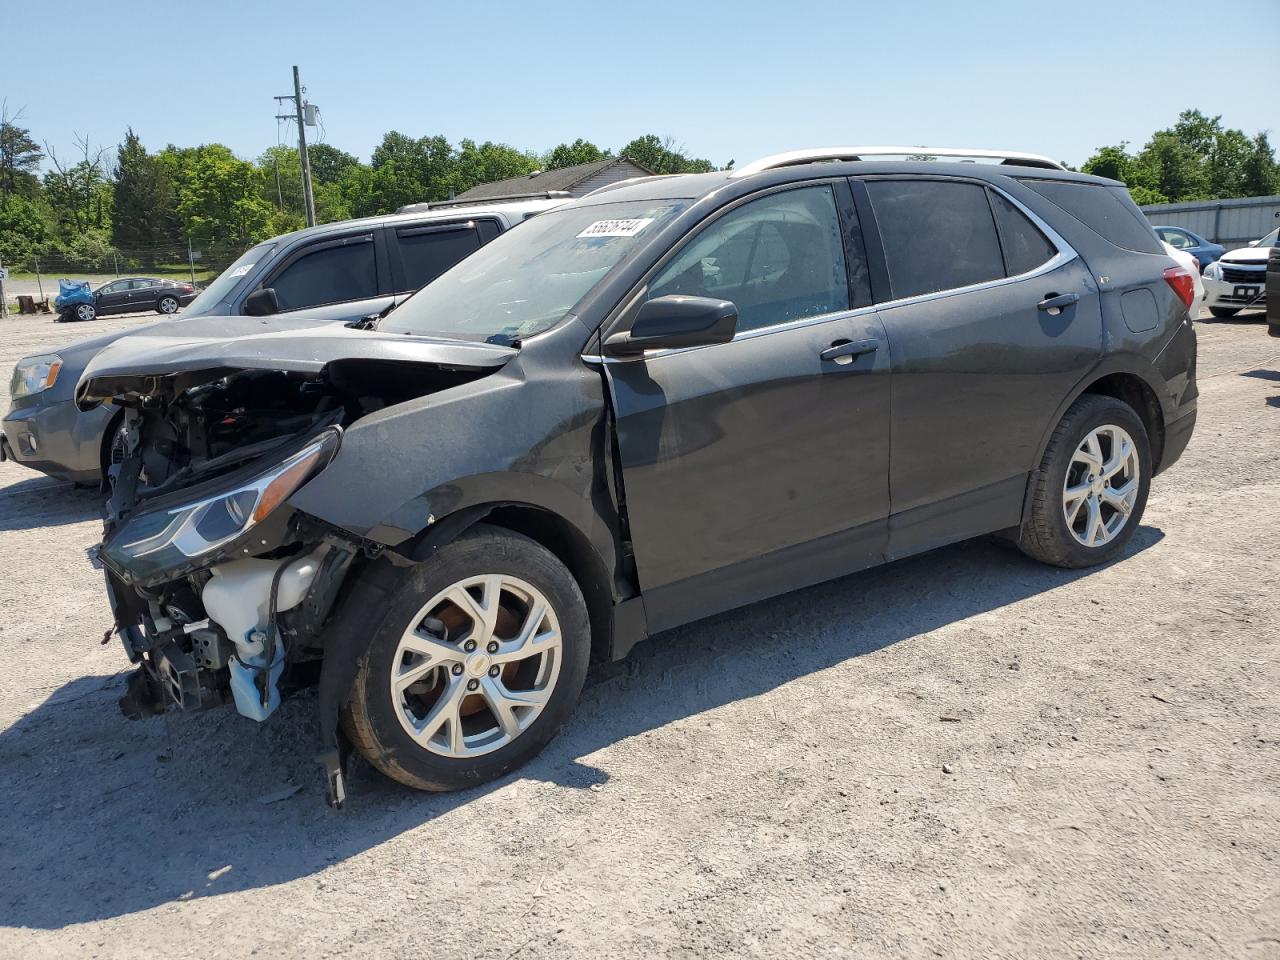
(36, 276)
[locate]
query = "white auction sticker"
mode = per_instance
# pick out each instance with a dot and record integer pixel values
(241, 271)
(616, 228)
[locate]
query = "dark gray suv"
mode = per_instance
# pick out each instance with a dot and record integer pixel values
(669, 398)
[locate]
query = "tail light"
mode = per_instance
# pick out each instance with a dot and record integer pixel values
(1183, 283)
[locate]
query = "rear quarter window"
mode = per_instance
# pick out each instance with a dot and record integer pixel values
(1107, 211)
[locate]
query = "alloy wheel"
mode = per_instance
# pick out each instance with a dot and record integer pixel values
(476, 666)
(168, 305)
(85, 312)
(1101, 486)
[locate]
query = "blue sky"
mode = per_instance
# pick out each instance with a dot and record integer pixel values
(728, 81)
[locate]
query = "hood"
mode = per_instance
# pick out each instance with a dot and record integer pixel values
(188, 352)
(1247, 255)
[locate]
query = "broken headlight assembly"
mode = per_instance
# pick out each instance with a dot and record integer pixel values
(174, 536)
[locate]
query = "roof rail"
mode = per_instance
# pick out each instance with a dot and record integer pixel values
(795, 157)
(424, 206)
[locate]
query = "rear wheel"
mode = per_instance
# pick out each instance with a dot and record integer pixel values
(167, 305)
(1091, 488)
(1222, 313)
(476, 665)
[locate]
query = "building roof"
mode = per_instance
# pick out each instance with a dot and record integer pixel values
(560, 180)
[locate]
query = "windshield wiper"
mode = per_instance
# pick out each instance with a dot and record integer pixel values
(370, 321)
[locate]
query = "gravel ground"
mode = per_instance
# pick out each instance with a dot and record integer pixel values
(962, 754)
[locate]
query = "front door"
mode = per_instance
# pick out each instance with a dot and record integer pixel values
(761, 465)
(112, 298)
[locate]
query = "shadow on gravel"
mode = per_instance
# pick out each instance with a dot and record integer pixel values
(108, 817)
(45, 502)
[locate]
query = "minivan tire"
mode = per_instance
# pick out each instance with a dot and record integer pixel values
(1046, 535)
(372, 719)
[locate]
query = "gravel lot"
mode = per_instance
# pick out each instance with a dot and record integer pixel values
(772, 782)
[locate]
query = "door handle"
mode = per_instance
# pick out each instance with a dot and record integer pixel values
(1054, 302)
(844, 351)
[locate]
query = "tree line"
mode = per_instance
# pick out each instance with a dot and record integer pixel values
(130, 206)
(1195, 159)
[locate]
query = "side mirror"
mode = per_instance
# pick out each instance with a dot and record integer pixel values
(261, 303)
(675, 321)
(1254, 243)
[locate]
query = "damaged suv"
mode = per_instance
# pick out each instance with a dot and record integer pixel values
(672, 397)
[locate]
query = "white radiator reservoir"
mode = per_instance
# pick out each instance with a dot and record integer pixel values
(238, 599)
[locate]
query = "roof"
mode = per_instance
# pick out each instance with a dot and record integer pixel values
(517, 210)
(541, 182)
(695, 186)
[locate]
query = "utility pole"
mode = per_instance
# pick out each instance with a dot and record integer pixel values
(300, 114)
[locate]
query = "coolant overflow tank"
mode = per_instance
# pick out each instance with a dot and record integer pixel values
(238, 599)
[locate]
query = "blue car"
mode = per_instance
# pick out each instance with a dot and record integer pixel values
(1180, 238)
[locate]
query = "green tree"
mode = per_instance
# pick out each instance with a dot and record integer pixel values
(221, 200)
(405, 170)
(662, 155)
(143, 213)
(486, 162)
(572, 154)
(1115, 163)
(1173, 167)
(78, 194)
(328, 164)
(22, 229)
(20, 157)
(1259, 172)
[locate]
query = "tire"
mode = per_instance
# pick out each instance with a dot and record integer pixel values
(1046, 535)
(377, 716)
(1222, 313)
(167, 305)
(85, 312)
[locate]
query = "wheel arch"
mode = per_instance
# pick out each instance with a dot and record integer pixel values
(570, 545)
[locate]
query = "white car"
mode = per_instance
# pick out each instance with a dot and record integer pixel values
(1185, 259)
(1239, 279)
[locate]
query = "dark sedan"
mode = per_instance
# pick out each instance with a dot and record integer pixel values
(140, 294)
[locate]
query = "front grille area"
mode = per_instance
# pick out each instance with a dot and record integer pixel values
(1238, 274)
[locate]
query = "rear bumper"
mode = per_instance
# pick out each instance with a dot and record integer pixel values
(1177, 435)
(57, 439)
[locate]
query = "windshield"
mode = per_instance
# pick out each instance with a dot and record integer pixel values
(1270, 239)
(211, 295)
(528, 279)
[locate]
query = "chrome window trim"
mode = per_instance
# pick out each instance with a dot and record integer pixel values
(1066, 253)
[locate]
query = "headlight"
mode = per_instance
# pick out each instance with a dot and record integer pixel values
(1213, 271)
(169, 537)
(34, 374)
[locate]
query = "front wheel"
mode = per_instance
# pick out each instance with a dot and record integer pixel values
(1222, 313)
(475, 666)
(86, 311)
(1088, 496)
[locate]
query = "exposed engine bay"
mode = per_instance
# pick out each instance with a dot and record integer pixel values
(221, 590)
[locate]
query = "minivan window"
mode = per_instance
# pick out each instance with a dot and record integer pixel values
(1107, 211)
(937, 235)
(329, 274)
(779, 258)
(428, 252)
(227, 280)
(1024, 246)
(528, 280)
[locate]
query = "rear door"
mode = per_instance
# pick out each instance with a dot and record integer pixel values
(758, 466)
(334, 278)
(142, 294)
(992, 320)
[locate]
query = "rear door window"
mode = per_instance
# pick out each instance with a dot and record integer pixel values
(1025, 246)
(332, 272)
(429, 251)
(1107, 211)
(937, 235)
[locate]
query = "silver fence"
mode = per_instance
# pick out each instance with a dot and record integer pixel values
(1232, 223)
